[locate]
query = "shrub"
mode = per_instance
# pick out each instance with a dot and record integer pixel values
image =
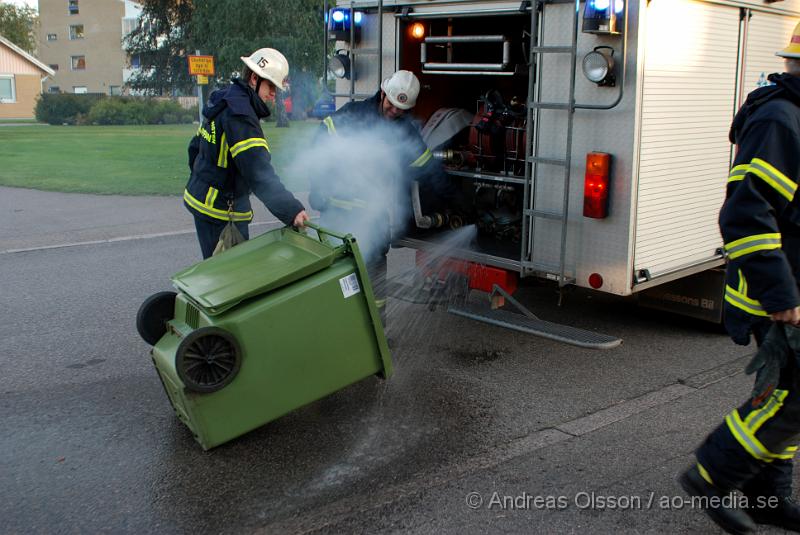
(137, 111)
(61, 108)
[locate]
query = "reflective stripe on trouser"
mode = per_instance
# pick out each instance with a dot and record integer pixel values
(754, 447)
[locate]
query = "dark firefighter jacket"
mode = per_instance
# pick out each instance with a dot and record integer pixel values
(760, 219)
(414, 155)
(229, 158)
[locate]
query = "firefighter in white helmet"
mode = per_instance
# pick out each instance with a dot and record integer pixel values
(753, 449)
(229, 157)
(383, 124)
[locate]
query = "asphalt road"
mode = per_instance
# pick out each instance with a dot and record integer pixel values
(479, 430)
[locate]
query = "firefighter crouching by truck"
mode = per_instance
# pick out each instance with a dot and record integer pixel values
(363, 207)
(230, 158)
(754, 448)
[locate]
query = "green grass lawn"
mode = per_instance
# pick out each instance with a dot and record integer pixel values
(125, 160)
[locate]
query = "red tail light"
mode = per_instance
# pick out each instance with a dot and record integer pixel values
(595, 185)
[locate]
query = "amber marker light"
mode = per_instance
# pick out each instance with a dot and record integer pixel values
(417, 30)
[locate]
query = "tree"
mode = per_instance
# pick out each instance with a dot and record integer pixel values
(169, 30)
(229, 29)
(159, 46)
(18, 25)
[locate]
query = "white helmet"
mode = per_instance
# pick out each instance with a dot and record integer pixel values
(402, 89)
(270, 64)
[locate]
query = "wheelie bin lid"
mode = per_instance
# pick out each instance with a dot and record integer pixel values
(265, 263)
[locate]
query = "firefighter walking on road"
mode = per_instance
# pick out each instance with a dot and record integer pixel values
(752, 451)
(230, 157)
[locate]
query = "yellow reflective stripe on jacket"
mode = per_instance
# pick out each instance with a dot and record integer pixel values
(211, 196)
(249, 143)
(328, 121)
(222, 159)
(757, 418)
(423, 159)
(752, 244)
(742, 302)
(214, 212)
(211, 137)
(347, 205)
(747, 439)
(738, 173)
(769, 174)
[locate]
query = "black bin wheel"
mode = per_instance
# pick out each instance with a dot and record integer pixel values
(153, 315)
(208, 359)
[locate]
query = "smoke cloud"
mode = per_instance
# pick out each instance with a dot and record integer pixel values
(368, 170)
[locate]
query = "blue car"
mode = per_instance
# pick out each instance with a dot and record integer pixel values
(323, 107)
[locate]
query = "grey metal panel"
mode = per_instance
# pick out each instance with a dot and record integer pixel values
(767, 33)
(688, 94)
(593, 246)
(366, 66)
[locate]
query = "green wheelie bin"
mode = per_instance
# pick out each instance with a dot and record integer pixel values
(262, 329)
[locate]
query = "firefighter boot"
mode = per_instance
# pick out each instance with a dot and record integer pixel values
(730, 519)
(769, 496)
(781, 511)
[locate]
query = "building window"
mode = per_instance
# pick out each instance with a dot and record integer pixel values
(52, 37)
(76, 31)
(73, 7)
(115, 90)
(53, 66)
(54, 89)
(128, 25)
(136, 61)
(7, 90)
(79, 89)
(78, 63)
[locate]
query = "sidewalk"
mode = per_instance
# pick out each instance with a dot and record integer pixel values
(32, 219)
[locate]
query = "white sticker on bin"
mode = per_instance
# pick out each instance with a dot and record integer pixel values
(349, 285)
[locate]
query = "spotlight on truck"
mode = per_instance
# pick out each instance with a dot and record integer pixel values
(339, 65)
(598, 67)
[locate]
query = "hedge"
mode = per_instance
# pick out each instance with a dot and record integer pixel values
(87, 109)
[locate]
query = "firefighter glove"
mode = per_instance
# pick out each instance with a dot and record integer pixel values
(771, 358)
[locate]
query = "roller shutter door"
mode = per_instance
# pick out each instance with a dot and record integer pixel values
(766, 34)
(687, 107)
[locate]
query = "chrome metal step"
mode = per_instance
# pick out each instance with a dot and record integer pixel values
(537, 327)
(548, 161)
(544, 215)
(552, 49)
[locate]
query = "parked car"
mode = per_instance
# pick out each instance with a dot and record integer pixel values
(323, 107)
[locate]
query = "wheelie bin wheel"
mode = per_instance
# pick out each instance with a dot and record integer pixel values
(153, 315)
(208, 359)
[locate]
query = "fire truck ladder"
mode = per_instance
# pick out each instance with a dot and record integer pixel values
(533, 157)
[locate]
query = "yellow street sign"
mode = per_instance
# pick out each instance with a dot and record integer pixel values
(202, 80)
(201, 65)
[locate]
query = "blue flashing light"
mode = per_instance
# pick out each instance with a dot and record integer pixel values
(340, 21)
(603, 5)
(602, 16)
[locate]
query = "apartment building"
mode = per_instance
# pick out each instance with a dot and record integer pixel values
(81, 40)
